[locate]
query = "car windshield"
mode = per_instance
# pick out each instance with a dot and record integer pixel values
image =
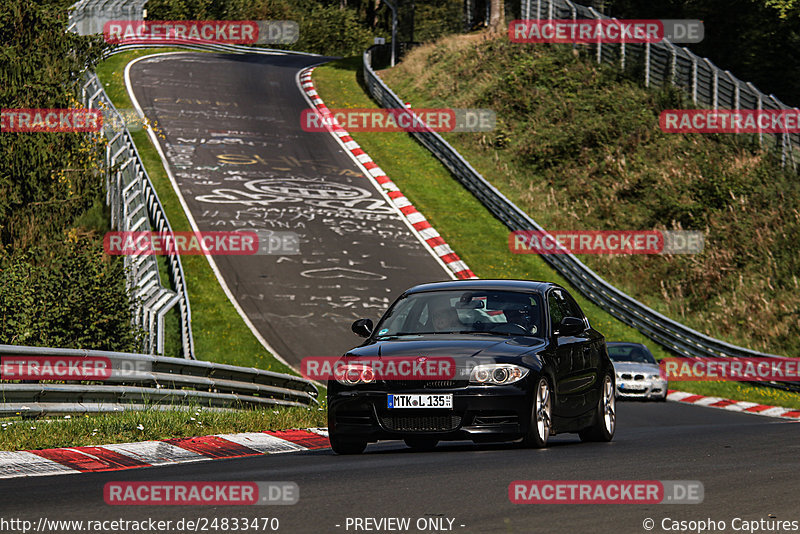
(630, 353)
(464, 312)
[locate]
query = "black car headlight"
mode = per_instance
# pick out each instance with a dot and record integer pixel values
(497, 373)
(352, 374)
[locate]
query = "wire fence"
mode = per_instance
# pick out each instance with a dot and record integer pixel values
(87, 17)
(664, 64)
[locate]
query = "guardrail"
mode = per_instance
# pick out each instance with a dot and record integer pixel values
(135, 207)
(664, 63)
(124, 381)
(674, 336)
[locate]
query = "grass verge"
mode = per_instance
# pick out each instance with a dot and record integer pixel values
(479, 238)
(125, 427)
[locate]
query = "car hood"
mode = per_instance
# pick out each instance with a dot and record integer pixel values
(633, 367)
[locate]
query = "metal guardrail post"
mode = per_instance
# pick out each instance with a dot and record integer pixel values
(673, 64)
(597, 16)
(574, 13)
(759, 107)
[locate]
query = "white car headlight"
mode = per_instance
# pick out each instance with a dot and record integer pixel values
(654, 377)
(497, 373)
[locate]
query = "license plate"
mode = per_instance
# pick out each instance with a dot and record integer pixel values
(420, 401)
(632, 387)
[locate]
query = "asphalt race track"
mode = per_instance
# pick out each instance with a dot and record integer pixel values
(747, 464)
(234, 143)
(236, 149)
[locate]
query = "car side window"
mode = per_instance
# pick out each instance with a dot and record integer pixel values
(556, 314)
(570, 307)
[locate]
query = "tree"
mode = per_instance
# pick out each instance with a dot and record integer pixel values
(497, 18)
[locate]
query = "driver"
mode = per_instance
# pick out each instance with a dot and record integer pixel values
(521, 313)
(518, 317)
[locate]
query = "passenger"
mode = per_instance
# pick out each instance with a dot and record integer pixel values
(444, 317)
(638, 355)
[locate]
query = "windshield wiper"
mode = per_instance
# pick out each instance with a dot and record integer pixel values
(398, 334)
(491, 333)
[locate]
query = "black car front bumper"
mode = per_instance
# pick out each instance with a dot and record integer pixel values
(479, 413)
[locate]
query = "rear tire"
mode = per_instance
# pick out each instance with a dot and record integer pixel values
(605, 416)
(541, 416)
(346, 446)
(422, 444)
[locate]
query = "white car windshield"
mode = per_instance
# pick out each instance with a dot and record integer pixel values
(630, 353)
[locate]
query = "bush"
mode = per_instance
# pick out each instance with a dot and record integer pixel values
(72, 297)
(56, 286)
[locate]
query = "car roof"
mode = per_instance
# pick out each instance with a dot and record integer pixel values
(491, 285)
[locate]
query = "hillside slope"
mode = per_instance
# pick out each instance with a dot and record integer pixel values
(579, 148)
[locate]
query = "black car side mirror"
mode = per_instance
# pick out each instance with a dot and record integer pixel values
(571, 326)
(362, 327)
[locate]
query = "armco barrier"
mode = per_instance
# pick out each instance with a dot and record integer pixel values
(135, 207)
(139, 381)
(674, 336)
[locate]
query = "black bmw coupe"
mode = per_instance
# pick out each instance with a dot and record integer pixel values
(483, 360)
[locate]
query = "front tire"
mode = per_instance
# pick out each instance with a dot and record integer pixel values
(605, 417)
(346, 446)
(541, 416)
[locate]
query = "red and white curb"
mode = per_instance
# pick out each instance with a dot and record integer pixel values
(734, 406)
(175, 451)
(426, 232)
